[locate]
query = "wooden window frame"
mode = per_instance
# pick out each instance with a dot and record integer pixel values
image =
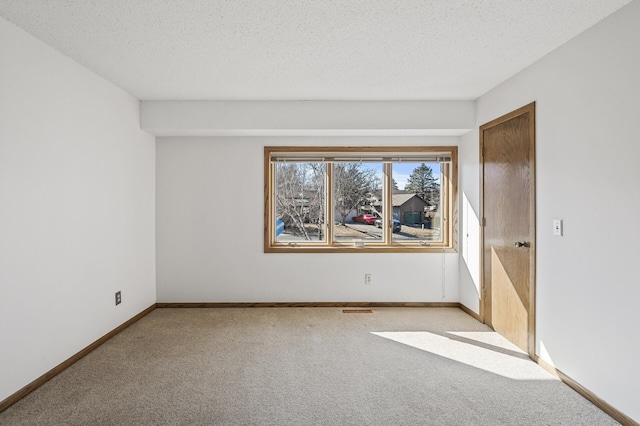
(449, 208)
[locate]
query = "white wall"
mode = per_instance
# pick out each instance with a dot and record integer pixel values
(76, 208)
(469, 207)
(210, 198)
(587, 114)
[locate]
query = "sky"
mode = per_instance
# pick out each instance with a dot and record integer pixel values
(402, 171)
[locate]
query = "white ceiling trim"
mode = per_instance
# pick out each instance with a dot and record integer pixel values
(307, 118)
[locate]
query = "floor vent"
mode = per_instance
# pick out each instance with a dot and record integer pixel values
(357, 311)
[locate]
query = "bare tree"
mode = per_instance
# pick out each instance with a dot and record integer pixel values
(300, 192)
(353, 185)
(300, 195)
(317, 199)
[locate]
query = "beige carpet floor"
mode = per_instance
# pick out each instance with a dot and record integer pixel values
(305, 366)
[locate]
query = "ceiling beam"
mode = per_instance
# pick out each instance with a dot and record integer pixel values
(290, 118)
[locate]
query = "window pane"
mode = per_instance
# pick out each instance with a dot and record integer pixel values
(416, 202)
(357, 201)
(300, 202)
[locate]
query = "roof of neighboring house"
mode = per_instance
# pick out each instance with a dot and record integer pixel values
(398, 200)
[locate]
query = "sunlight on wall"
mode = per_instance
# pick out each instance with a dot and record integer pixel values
(487, 351)
(471, 241)
(545, 355)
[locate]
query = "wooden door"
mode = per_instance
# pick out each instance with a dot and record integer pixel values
(508, 238)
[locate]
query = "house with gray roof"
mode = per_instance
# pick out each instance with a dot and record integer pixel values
(408, 208)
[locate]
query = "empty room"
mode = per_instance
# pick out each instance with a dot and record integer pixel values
(328, 212)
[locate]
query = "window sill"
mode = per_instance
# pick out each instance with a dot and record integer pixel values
(345, 249)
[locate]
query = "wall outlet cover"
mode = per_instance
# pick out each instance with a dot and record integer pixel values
(557, 227)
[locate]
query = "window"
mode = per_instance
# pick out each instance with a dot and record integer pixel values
(371, 199)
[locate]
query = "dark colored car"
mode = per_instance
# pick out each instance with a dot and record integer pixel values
(369, 219)
(395, 227)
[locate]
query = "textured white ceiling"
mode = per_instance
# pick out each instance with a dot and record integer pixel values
(306, 49)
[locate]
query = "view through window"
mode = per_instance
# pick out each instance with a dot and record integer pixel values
(371, 199)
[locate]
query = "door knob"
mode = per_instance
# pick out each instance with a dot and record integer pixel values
(521, 244)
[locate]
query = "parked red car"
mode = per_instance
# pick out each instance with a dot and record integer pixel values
(369, 219)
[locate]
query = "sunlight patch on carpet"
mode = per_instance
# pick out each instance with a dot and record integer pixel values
(486, 351)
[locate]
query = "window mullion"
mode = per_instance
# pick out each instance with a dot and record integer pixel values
(445, 229)
(272, 205)
(388, 207)
(328, 205)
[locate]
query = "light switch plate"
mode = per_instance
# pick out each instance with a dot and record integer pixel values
(557, 227)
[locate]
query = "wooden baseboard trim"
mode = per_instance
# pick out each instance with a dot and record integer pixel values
(470, 312)
(12, 399)
(598, 402)
(311, 305)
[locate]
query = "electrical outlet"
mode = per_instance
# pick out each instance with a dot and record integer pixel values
(557, 227)
(118, 297)
(367, 279)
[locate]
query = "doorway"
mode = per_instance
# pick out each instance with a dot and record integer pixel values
(507, 157)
